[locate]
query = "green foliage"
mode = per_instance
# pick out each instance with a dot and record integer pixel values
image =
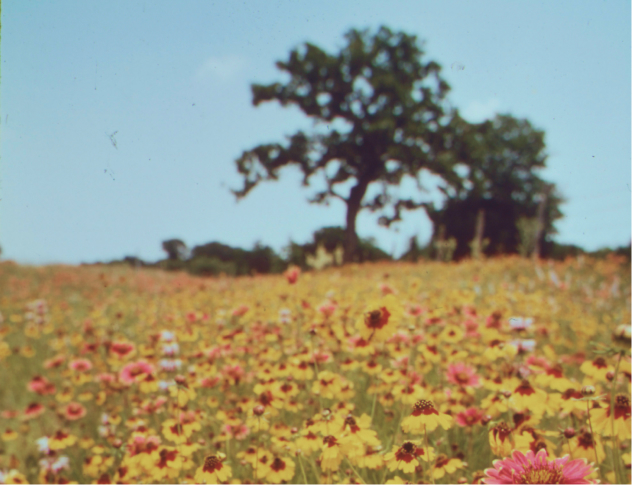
(528, 230)
(211, 266)
(331, 240)
(500, 161)
(175, 249)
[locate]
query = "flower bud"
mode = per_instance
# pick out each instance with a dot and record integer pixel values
(325, 412)
(569, 433)
(621, 336)
(258, 410)
(588, 391)
(610, 376)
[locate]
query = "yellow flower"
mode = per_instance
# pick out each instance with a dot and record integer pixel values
(213, 471)
(445, 465)
(406, 457)
(526, 397)
(61, 440)
(584, 444)
(9, 435)
(173, 431)
(302, 371)
(328, 384)
(331, 457)
(280, 469)
(500, 440)
(167, 463)
(601, 419)
(425, 418)
(380, 319)
(182, 393)
(597, 369)
(14, 476)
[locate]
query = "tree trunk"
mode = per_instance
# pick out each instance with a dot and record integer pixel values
(477, 247)
(537, 249)
(353, 208)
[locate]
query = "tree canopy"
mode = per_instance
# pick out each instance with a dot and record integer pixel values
(385, 108)
(501, 159)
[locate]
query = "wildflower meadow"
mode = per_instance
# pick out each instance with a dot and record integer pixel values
(505, 370)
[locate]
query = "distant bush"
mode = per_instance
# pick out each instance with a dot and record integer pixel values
(205, 266)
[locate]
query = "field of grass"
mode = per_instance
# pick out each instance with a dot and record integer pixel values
(381, 373)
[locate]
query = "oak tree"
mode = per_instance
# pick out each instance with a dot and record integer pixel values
(384, 106)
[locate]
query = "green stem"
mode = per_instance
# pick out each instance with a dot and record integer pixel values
(354, 471)
(300, 463)
(616, 458)
(392, 441)
(428, 454)
(594, 441)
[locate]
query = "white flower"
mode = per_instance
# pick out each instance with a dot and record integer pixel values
(170, 365)
(167, 336)
(164, 385)
(42, 444)
(519, 323)
(59, 464)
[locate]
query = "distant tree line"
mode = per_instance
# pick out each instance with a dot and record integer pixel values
(215, 258)
(325, 249)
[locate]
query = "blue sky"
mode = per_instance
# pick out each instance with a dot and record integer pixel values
(121, 120)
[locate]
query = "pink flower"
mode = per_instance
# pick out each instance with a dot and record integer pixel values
(328, 308)
(238, 432)
(532, 468)
(135, 371)
(415, 310)
(469, 417)
(292, 274)
(74, 411)
(80, 365)
(471, 328)
(240, 311)
(462, 375)
(41, 386)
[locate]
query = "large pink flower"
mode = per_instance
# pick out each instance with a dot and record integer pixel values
(532, 468)
(462, 375)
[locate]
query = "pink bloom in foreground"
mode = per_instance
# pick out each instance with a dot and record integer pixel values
(462, 375)
(532, 468)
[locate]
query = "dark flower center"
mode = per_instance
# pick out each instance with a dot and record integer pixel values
(212, 463)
